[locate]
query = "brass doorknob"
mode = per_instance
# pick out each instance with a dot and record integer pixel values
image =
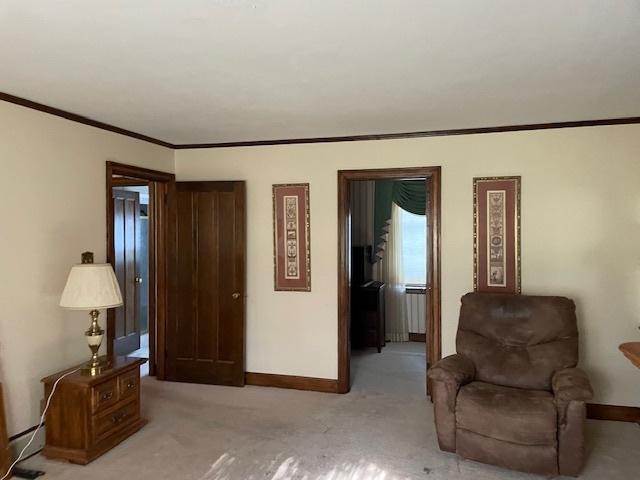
(235, 295)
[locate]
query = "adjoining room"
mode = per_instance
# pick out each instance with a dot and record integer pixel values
(388, 291)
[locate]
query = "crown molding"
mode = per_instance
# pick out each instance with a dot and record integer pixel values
(80, 119)
(427, 133)
(293, 141)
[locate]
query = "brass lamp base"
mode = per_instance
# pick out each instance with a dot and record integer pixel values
(94, 338)
(92, 368)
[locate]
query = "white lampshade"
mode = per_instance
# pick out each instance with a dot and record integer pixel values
(91, 286)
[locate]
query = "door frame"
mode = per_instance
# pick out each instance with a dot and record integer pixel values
(434, 338)
(159, 185)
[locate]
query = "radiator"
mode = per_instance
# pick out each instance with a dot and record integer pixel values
(416, 311)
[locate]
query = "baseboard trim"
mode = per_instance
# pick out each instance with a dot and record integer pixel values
(418, 337)
(29, 430)
(294, 382)
(617, 413)
(19, 440)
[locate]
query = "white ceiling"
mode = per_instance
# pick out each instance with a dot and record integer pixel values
(195, 71)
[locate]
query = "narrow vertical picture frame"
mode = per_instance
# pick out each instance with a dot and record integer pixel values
(291, 240)
(496, 234)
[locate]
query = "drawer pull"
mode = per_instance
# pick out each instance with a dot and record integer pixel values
(118, 417)
(131, 384)
(107, 396)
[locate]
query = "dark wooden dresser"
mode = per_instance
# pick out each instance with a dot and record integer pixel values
(88, 416)
(368, 316)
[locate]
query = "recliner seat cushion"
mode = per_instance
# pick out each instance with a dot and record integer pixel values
(523, 417)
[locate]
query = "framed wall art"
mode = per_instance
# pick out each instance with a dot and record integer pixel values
(292, 252)
(496, 234)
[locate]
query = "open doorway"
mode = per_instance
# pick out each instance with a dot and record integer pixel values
(389, 258)
(136, 248)
(389, 277)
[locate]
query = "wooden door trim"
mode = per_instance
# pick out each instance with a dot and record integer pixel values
(434, 337)
(159, 185)
(129, 182)
(139, 173)
(5, 460)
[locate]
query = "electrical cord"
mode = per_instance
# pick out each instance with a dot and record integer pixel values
(42, 417)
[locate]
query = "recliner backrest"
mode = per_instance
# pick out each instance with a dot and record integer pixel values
(518, 340)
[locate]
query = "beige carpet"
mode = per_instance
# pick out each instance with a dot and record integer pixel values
(382, 430)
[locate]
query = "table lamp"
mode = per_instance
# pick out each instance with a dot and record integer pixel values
(92, 287)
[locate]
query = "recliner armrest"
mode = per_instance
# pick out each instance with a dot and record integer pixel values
(456, 368)
(571, 384)
(448, 375)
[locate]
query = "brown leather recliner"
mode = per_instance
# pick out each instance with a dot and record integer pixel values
(512, 396)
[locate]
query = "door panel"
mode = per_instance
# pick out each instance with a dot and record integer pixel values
(126, 242)
(205, 328)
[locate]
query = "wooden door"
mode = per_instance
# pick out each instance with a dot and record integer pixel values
(205, 325)
(126, 243)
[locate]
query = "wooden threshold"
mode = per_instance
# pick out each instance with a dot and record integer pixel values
(418, 337)
(294, 382)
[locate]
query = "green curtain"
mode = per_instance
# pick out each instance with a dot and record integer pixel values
(381, 214)
(410, 195)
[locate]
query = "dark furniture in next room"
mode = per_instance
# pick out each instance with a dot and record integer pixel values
(367, 301)
(369, 322)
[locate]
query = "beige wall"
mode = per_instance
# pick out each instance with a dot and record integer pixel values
(52, 183)
(580, 232)
(580, 236)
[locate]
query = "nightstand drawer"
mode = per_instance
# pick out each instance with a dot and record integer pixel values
(128, 384)
(104, 395)
(110, 422)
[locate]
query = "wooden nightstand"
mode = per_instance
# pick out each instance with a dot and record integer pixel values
(88, 416)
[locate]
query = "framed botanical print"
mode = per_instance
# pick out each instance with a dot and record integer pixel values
(292, 252)
(496, 234)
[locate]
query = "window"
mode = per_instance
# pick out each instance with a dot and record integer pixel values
(414, 248)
